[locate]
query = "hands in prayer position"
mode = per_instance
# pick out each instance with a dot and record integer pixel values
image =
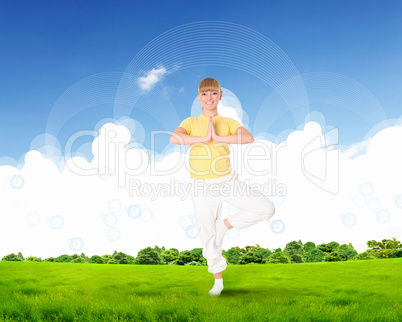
(211, 133)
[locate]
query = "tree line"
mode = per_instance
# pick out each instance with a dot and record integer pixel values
(294, 252)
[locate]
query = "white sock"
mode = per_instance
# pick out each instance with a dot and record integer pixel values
(217, 288)
(221, 230)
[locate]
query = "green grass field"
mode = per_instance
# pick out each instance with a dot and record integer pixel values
(329, 291)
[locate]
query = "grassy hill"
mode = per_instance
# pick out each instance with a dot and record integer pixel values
(328, 291)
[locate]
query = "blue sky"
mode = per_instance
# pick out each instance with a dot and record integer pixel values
(47, 47)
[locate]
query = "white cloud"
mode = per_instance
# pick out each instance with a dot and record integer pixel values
(357, 149)
(152, 77)
(45, 212)
(228, 111)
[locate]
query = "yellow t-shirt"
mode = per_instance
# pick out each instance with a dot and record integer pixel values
(210, 160)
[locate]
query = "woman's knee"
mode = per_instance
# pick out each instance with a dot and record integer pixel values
(272, 210)
(269, 209)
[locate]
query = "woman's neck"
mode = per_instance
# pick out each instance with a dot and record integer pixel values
(210, 113)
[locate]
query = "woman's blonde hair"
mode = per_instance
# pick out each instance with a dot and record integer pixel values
(209, 84)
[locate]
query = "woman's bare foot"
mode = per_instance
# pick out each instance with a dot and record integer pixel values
(227, 224)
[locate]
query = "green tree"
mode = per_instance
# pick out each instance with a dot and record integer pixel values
(297, 258)
(197, 251)
(96, 259)
(334, 245)
(193, 264)
(253, 248)
(187, 256)
(175, 250)
(20, 256)
(121, 258)
(315, 255)
(349, 253)
(78, 260)
(112, 261)
(385, 253)
(396, 253)
(233, 256)
(295, 252)
(202, 259)
(33, 259)
(344, 247)
(294, 246)
(325, 248)
(173, 262)
(86, 258)
(148, 256)
(131, 259)
(368, 254)
(11, 258)
(278, 258)
(64, 258)
(74, 256)
(308, 246)
(51, 259)
(159, 250)
(169, 256)
(385, 247)
(265, 253)
(334, 257)
(250, 257)
(106, 258)
(241, 250)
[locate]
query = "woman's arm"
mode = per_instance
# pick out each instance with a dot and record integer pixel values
(180, 136)
(241, 136)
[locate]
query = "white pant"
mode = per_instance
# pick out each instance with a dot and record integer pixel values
(208, 195)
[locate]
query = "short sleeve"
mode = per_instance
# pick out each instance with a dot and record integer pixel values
(186, 124)
(233, 126)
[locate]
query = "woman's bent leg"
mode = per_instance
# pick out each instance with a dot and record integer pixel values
(254, 206)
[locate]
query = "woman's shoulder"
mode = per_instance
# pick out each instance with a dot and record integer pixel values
(228, 119)
(188, 119)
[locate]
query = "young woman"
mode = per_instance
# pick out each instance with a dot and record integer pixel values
(213, 180)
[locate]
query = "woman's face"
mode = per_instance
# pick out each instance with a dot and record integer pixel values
(210, 99)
